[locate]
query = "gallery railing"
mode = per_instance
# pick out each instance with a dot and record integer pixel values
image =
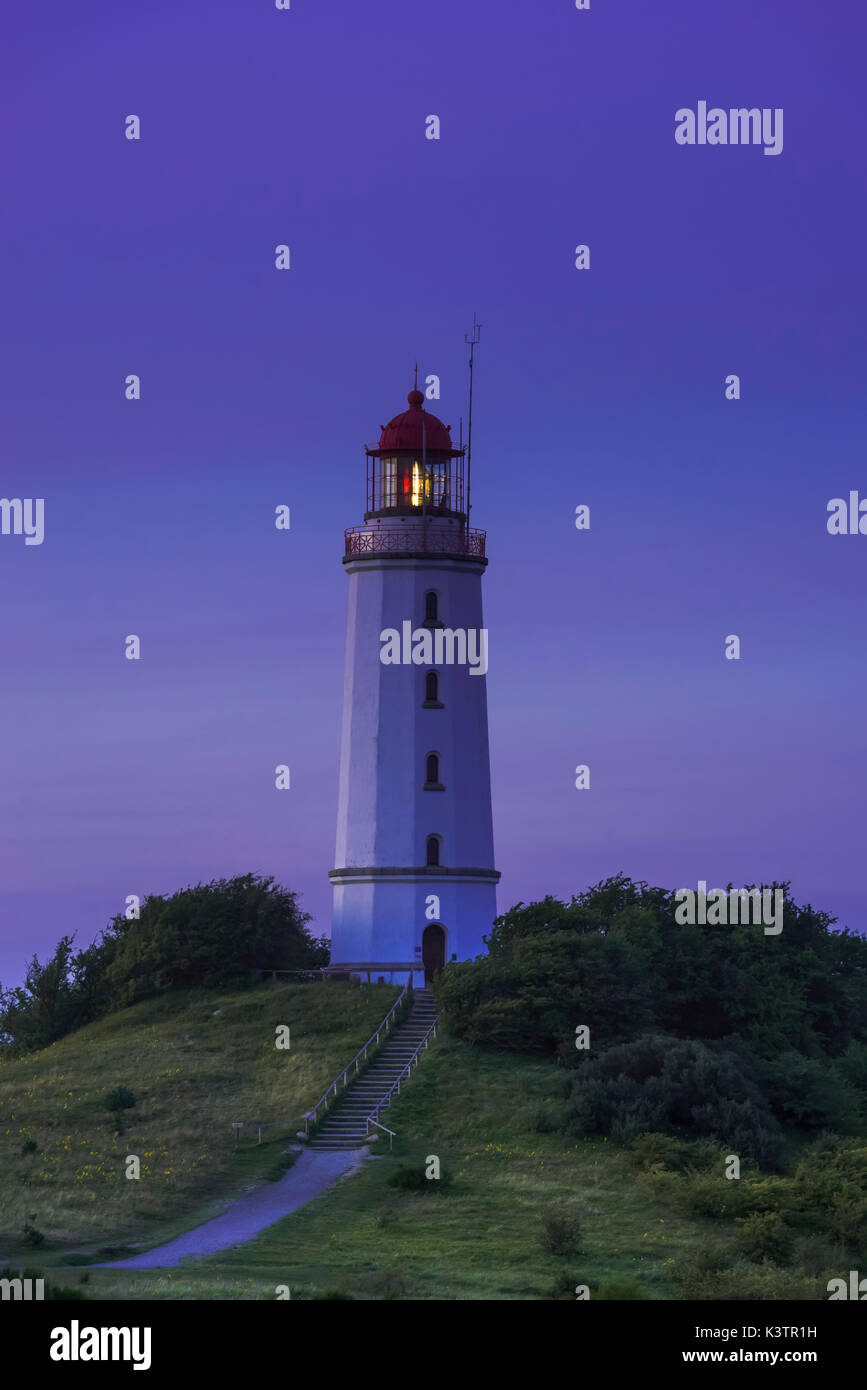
(414, 536)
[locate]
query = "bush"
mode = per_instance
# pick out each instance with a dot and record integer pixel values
(825, 1144)
(707, 1194)
(214, 935)
(763, 1236)
(710, 1275)
(32, 1236)
(662, 1084)
(812, 1094)
(617, 954)
(538, 1120)
(118, 1100)
(410, 1177)
(769, 1194)
(852, 1066)
(816, 1255)
(668, 1151)
(561, 1233)
(29, 1146)
(830, 1191)
(847, 1220)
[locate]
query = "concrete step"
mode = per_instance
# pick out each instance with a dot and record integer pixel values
(385, 1079)
(359, 1114)
(345, 1124)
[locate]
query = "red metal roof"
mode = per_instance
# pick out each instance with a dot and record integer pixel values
(405, 430)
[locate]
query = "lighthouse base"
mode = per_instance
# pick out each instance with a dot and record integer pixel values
(391, 922)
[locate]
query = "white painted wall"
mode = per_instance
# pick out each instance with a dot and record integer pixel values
(384, 815)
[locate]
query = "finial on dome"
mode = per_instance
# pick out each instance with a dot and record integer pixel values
(415, 398)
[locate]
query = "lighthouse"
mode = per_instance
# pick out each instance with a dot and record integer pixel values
(414, 878)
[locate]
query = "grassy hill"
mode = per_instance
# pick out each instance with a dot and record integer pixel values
(482, 1113)
(196, 1061)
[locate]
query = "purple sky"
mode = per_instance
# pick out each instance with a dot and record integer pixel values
(605, 387)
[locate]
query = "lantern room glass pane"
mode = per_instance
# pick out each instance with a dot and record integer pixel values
(388, 483)
(438, 483)
(430, 483)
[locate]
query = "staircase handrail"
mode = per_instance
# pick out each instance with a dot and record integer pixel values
(395, 1086)
(331, 1089)
(384, 1130)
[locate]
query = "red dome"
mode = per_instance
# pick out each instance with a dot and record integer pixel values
(405, 430)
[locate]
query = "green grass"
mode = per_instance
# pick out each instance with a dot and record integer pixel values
(74, 1186)
(478, 1239)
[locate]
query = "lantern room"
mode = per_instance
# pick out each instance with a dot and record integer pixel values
(415, 470)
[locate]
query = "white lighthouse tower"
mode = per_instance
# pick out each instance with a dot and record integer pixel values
(414, 882)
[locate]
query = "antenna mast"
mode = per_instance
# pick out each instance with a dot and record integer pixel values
(423, 466)
(472, 340)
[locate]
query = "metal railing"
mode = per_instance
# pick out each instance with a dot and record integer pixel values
(385, 1027)
(366, 540)
(403, 1076)
(384, 1130)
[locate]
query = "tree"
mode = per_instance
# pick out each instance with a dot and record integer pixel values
(213, 935)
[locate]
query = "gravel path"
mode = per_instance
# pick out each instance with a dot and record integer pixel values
(310, 1175)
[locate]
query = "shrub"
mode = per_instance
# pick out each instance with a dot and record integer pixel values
(627, 1124)
(763, 1236)
(709, 1274)
(826, 1144)
(213, 935)
(669, 1151)
(616, 953)
(852, 1065)
(118, 1100)
(810, 1093)
(662, 1084)
(769, 1194)
(817, 1255)
(707, 1194)
(32, 1236)
(410, 1177)
(696, 1275)
(538, 1120)
(29, 1146)
(561, 1233)
(830, 1190)
(847, 1220)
